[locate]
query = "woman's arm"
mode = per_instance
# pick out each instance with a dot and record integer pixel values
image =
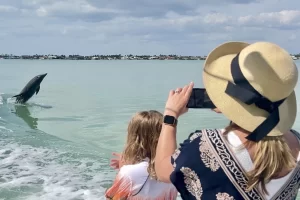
(175, 106)
(165, 148)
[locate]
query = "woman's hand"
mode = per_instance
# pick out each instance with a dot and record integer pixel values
(216, 110)
(115, 162)
(177, 100)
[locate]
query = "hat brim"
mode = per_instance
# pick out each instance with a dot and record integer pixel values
(216, 75)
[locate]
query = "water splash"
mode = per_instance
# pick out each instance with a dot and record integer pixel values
(41, 173)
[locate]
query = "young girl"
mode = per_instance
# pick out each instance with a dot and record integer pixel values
(136, 178)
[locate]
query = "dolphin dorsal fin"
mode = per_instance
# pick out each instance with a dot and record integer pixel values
(37, 90)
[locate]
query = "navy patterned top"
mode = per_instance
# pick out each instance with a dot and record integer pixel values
(205, 168)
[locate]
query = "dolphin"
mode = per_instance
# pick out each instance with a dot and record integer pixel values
(33, 86)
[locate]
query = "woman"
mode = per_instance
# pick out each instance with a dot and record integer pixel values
(256, 156)
(136, 178)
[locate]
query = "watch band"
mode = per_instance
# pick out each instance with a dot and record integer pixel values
(170, 120)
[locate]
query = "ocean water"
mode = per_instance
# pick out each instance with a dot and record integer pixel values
(59, 144)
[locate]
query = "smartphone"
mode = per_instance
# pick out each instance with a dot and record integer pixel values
(200, 99)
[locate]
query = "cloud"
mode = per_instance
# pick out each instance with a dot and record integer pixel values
(190, 27)
(75, 9)
(7, 8)
(282, 19)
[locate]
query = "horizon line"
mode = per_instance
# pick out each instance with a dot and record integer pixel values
(66, 55)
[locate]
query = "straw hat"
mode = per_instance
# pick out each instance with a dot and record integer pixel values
(271, 73)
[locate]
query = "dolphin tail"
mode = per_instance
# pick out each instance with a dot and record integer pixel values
(18, 95)
(19, 98)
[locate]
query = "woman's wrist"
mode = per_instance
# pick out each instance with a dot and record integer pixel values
(171, 112)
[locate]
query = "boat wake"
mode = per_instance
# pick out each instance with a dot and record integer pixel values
(42, 173)
(39, 166)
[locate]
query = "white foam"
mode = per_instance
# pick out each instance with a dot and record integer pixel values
(10, 100)
(1, 100)
(48, 174)
(6, 129)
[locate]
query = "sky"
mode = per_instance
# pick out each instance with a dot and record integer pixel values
(144, 27)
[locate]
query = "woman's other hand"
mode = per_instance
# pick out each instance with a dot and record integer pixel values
(178, 99)
(216, 110)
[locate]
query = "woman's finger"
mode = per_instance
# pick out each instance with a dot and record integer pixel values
(184, 89)
(189, 90)
(172, 92)
(178, 90)
(216, 110)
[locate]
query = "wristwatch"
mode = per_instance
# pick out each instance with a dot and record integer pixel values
(170, 120)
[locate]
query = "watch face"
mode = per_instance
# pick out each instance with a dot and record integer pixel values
(169, 119)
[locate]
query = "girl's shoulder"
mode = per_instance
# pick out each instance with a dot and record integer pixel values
(135, 170)
(145, 186)
(138, 173)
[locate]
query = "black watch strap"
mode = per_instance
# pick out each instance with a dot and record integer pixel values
(170, 120)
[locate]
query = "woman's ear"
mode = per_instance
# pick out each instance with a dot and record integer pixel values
(216, 110)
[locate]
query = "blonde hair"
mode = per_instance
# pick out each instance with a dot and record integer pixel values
(143, 133)
(271, 156)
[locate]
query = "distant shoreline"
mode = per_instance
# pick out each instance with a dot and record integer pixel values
(102, 57)
(108, 57)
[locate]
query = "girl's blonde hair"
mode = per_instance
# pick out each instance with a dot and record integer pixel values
(271, 156)
(143, 133)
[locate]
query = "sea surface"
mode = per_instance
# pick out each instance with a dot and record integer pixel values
(59, 144)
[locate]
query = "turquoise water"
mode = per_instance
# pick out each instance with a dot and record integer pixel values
(58, 146)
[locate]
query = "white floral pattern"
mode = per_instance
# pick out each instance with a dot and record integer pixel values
(174, 156)
(192, 182)
(207, 155)
(195, 135)
(224, 196)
